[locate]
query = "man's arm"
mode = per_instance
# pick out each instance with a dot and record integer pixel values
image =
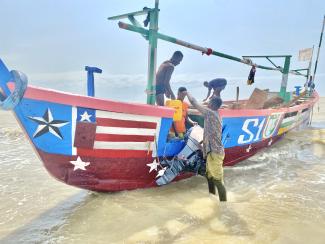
(196, 104)
(168, 74)
(188, 120)
(209, 92)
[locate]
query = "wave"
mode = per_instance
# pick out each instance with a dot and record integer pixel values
(11, 133)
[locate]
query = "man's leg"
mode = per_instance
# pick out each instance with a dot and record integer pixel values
(160, 99)
(221, 190)
(212, 188)
(215, 174)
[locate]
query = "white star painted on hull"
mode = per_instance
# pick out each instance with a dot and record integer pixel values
(79, 164)
(161, 172)
(153, 166)
(85, 117)
(270, 142)
(249, 148)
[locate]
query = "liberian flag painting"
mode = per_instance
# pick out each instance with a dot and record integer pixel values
(109, 134)
(93, 148)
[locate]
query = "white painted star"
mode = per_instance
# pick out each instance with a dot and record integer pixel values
(85, 117)
(79, 164)
(249, 148)
(153, 166)
(161, 172)
(270, 142)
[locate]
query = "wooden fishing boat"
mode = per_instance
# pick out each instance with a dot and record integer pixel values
(105, 145)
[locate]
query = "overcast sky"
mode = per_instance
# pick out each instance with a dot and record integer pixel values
(52, 40)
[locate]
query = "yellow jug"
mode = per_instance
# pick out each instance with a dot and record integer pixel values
(178, 106)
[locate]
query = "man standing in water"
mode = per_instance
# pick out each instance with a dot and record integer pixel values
(217, 85)
(213, 150)
(163, 76)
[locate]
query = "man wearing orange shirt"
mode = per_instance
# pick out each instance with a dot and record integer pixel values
(179, 126)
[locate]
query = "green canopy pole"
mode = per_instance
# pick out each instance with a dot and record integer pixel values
(204, 50)
(152, 55)
(285, 72)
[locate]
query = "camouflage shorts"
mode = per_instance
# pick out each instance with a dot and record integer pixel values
(214, 168)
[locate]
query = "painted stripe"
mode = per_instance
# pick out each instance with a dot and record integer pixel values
(289, 119)
(121, 138)
(282, 130)
(286, 124)
(66, 98)
(73, 129)
(124, 116)
(102, 153)
(125, 123)
(124, 131)
(123, 145)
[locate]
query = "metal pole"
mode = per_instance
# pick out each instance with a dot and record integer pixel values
(284, 82)
(90, 79)
(320, 43)
(152, 54)
(237, 94)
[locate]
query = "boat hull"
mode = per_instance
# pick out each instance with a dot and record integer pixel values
(104, 145)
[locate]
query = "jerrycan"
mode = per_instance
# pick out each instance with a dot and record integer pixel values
(178, 106)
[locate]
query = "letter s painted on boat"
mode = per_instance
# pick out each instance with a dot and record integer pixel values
(20, 80)
(245, 128)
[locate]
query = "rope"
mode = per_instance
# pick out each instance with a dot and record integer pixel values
(15, 97)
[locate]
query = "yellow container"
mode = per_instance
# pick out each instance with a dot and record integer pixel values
(177, 105)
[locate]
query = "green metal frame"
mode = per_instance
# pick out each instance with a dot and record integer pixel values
(152, 35)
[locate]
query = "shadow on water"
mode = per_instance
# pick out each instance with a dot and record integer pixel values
(40, 228)
(163, 214)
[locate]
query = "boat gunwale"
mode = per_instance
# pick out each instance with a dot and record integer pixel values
(66, 98)
(230, 113)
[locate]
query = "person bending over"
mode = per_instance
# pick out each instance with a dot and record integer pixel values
(217, 85)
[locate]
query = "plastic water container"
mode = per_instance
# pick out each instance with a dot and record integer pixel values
(178, 106)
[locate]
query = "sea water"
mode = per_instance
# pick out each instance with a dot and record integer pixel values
(277, 196)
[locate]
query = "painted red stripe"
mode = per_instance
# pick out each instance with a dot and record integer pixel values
(125, 123)
(48, 95)
(123, 138)
(106, 153)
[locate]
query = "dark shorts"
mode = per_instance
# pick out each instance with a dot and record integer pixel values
(160, 89)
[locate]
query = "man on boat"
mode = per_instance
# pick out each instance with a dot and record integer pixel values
(163, 76)
(311, 85)
(217, 85)
(213, 150)
(179, 127)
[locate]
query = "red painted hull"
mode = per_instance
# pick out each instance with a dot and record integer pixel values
(117, 175)
(125, 173)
